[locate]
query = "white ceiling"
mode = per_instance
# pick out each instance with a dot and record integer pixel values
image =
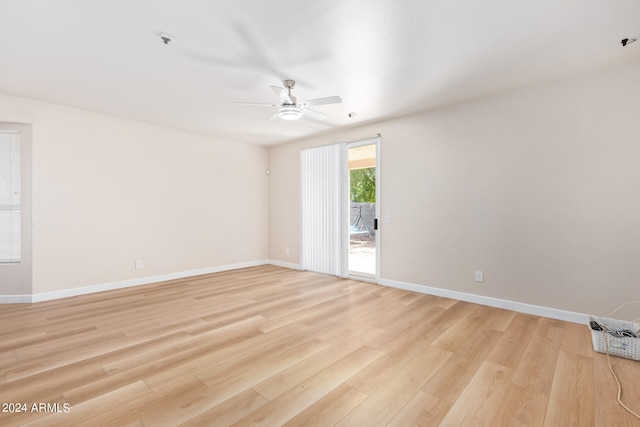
(385, 58)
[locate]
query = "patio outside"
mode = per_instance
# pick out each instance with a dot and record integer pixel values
(362, 240)
(362, 255)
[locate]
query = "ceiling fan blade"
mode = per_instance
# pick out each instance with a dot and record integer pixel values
(274, 116)
(282, 94)
(257, 104)
(278, 90)
(314, 114)
(321, 101)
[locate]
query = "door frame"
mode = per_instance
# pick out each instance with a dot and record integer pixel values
(373, 140)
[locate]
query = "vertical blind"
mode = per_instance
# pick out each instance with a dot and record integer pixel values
(10, 200)
(321, 220)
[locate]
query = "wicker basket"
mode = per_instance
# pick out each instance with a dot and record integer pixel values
(627, 347)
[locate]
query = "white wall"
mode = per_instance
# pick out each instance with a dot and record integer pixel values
(539, 188)
(108, 191)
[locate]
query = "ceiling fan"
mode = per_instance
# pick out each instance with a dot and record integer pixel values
(290, 108)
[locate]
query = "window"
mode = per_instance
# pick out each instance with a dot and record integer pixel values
(10, 197)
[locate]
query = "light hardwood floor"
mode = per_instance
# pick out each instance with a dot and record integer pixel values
(271, 346)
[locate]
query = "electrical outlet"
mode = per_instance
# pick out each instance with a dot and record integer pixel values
(479, 276)
(138, 264)
(286, 251)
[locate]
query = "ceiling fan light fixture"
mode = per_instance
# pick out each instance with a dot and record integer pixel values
(290, 109)
(290, 112)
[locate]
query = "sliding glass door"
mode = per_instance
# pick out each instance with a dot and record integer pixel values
(339, 208)
(362, 233)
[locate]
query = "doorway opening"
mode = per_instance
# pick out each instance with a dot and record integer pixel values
(362, 205)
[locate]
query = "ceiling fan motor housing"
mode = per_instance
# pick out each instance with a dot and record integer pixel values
(290, 112)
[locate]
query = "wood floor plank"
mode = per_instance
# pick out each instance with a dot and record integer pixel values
(399, 351)
(423, 410)
(511, 347)
(387, 401)
(414, 320)
(499, 319)
(175, 344)
(452, 379)
(293, 402)
(38, 360)
(283, 381)
(50, 385)
(330, 408)
(270, 346)
(456, 335)
(230, 411)
(102, 407)
(326, 306)
(608, 412)
(481, 402)
(249, 372)
(577, 339)
(215, 360)
(522, 407)
(537, 366)
(572, 402)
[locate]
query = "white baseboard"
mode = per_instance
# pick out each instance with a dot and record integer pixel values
(552, 313)
(15, 299)
(537, 310)
(285, 264)
(47, 296)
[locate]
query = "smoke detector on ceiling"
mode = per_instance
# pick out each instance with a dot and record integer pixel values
(165, 37)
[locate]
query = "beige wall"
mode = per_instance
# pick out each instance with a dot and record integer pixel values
(539, 188)
(108, 191)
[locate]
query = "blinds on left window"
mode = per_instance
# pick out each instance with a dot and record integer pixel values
(10, 197)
